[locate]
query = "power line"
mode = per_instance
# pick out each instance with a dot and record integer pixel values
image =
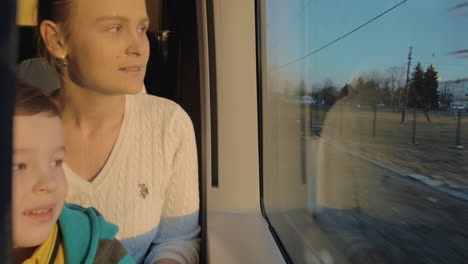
(445, 64)
(303, 8)
(459, 6)
(342, 37)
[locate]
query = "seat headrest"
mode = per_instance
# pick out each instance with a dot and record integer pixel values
(36, 72)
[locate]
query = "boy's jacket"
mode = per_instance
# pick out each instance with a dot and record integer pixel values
(88, 238)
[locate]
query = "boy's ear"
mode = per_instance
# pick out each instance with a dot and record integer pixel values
(53, 37)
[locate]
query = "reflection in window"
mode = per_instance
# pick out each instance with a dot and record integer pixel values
(365, 124)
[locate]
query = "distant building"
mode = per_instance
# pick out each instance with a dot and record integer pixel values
(458, 89)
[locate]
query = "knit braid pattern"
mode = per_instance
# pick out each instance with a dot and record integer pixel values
(151, 174)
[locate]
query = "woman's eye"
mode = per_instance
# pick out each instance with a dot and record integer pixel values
(57, 163)
(115, 29)
(18, 166)
(142, 29)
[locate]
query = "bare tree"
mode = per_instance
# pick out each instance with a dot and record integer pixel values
(396, 81)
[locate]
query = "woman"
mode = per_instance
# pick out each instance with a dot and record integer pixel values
(132, 157)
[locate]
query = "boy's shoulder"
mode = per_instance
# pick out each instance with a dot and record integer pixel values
(88, 237)
(73, 214)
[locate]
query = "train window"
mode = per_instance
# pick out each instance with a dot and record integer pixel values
(364, 116)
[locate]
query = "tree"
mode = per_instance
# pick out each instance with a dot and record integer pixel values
(431, 96)
(344, 91)
(396, 81)
(417, 84)
(327, 93)
(423, 92)
(367, 89)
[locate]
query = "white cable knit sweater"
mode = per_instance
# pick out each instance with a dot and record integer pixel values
(149, 184)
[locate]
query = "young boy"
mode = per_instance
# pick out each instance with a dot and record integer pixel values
(44, 229)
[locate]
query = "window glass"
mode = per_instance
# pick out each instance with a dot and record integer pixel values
(365, 125)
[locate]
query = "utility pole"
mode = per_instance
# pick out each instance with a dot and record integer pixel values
(406, 86)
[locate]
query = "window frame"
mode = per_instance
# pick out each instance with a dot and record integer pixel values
(7, 64)
(259, 33)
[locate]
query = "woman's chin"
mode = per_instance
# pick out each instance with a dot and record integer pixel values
(134, 87)
(137, 90)
(129, 88)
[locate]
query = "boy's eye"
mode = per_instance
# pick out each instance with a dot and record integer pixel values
(57, 163)
(18, 166)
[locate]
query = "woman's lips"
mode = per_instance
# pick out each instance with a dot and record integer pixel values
(135, 70)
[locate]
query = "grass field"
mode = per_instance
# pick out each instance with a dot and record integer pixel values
(383, 137)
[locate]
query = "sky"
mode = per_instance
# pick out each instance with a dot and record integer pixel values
(295, 28)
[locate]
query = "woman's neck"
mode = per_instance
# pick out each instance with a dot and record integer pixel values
(88, 110)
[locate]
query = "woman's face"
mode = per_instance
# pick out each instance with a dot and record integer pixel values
(107, 48)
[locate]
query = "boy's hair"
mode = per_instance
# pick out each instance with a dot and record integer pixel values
(31, 100)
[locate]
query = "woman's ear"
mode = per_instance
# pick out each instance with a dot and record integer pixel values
(53, 37)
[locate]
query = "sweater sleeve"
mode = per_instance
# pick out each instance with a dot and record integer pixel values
(178, 231)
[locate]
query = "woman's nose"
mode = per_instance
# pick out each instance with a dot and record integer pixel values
(138, 44)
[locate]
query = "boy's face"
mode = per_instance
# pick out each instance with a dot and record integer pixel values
(39, 185)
